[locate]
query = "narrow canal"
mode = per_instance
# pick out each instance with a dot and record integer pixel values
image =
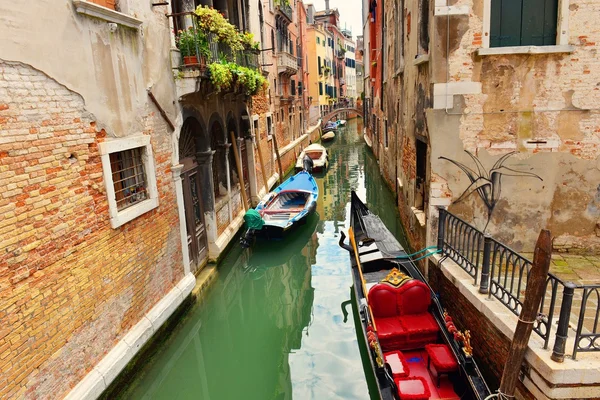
(271, 326)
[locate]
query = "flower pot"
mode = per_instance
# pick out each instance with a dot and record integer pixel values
(190, 60)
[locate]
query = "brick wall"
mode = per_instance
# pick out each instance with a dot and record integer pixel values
(70, 286)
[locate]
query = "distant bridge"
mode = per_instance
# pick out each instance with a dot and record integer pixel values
(333, 113)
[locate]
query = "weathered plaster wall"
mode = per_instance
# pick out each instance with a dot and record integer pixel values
(545, 107)
(70, 286)
(110, 70)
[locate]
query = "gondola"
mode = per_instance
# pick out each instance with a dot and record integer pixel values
(282, 209)
(414, 349)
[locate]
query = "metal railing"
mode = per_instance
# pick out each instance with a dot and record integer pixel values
(503, 273)
(217, 50)
(286, 10)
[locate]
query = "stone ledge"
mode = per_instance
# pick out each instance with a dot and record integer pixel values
(451, 10)
(102, 375)
(419, 215)
(98, 11)
(549, 379)
(421, 59)
(494, 51)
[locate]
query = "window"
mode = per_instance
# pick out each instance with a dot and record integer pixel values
(318, 40)
(269, 128)
(320, 88)
(293, 87)
(129, 176)
(421, 150)
(399, 47)
(424, 26)
(105, 3)
(385, 137)
(320, 67)
(108, 10)
(524, 23)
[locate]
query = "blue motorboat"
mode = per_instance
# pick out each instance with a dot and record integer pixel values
(282, 209)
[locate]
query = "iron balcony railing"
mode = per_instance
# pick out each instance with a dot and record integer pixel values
(286, 10)
(217, 51)
(502, 274)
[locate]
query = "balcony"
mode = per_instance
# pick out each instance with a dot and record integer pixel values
(201, 49)
(341, 54)
(287, 64)
(285, 10)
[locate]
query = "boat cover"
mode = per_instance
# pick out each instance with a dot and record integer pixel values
(253, 220)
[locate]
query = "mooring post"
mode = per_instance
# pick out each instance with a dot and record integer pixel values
(536, 285)
(562, 331)
(485, 268)
(441, 224)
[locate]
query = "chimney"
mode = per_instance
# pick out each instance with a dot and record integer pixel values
(326, 5)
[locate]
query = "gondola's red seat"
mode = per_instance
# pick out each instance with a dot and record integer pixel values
(397, 363)
(413, 388)
(401, 315)
(440, 361)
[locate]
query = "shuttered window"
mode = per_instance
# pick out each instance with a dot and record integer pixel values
(523, 23)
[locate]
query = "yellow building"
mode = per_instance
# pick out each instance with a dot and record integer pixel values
(316, 52)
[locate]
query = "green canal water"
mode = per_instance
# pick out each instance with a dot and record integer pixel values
(271, 326)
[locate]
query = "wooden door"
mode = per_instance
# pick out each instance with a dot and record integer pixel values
(194, 217)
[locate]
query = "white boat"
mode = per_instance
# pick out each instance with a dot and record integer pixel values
(341, 122)
(318, 155)
(328, 136)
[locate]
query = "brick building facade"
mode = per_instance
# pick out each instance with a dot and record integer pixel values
(454, 79)
(89, 222)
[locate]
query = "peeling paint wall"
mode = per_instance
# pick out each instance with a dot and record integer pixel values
(545, 107)
(70, 285)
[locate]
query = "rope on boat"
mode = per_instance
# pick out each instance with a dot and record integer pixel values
(417, 252)
(406, 257)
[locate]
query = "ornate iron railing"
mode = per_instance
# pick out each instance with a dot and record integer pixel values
(503, 273)
(461, 242)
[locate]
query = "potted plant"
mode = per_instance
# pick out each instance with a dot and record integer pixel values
(193, 46)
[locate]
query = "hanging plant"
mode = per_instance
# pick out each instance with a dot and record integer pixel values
(212, 21)
(220, 76)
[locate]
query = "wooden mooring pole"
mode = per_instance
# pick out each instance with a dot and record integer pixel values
(240, 171)
(278, 157)
(536, 284)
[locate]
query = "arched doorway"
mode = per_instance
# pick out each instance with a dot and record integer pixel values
(191, 141)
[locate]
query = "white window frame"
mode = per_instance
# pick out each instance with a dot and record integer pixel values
(110, 146)
(562, 35)
(88, 8)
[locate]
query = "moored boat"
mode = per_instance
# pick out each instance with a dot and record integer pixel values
(341, 122)
(330, 127)
(318, 155)
(282, 209)
(328, 136)
(414, 349)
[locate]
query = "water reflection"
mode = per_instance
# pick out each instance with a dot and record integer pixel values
(272, 327)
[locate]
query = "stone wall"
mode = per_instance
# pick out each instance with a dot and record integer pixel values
(544, 107)
(70, 286)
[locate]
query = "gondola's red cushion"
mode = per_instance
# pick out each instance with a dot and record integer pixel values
(398, 364)
(401, 315)
(383, 300)
(414, 297)
(441, 357)
(418, 324)
(413, 388)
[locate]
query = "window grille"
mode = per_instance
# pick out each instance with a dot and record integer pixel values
(129, 177)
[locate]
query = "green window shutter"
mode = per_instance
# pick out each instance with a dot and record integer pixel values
(539, 22)
(523, 22)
